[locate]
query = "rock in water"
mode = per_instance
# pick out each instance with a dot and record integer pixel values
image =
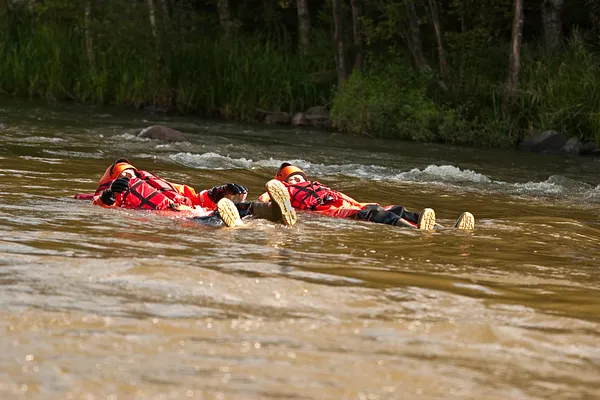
(161, 132)
(545, 142)
(299, 119)
(318, 116)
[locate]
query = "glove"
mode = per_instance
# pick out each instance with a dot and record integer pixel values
(108, 197)
(218, 192)
(118, 186)
(328, 199)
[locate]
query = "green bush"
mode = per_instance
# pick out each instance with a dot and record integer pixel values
(41, 57)
(563, 92)
(388, 100)
(242, 74)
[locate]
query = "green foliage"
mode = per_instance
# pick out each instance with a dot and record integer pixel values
(191, 73)
(563, 92)
(388, 100)
(189, 66)
(489, 128)
(243, 74)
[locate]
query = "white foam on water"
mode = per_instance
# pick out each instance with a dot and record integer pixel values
(128, 136)
(215, 161)
(74, 154)
(372, 172)
(41, 139)
(210, 161)
(43, 160)
(449, 175)
(556, 184)
(443, 173)
(593, 194)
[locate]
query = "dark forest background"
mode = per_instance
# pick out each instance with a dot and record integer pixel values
(485, 72)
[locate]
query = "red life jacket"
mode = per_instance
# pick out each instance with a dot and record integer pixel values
(309, 195)
(149, 192)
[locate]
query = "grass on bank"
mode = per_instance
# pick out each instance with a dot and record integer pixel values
(204, 75)
(392, 100)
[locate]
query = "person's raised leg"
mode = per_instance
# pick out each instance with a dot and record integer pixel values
(279, 209)
(280, 202)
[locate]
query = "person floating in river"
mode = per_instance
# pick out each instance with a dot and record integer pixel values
(125, 186)
(316, 197)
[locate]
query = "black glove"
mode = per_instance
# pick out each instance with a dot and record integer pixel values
(118, 186)
(108, 197)
(218, 192)
(328, 199)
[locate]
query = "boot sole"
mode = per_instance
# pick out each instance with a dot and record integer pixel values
(466, 221)
(426, 220)
(280, 195)
(228, 212)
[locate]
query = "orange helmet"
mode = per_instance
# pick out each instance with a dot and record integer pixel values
(115, 170)
(286, 170)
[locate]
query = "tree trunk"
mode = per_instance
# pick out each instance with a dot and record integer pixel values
(444, 69)
(165, 7)
(594, 13)
(224, 16)
(551, 10)
(89, 44)
(514, 63)
(414, 37)
(338, 37)
(358, 34)
(303, 23)
(152, 16)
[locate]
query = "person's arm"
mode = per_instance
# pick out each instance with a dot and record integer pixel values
(186, 191)
(208, 198)
(198, 199)
(205, 201)
(109, 197)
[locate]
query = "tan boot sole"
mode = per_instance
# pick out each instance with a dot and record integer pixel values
(280, 195)
(426, 220)
(228, 212)
(466, 221)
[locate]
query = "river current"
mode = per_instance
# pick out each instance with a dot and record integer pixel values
(119, 304)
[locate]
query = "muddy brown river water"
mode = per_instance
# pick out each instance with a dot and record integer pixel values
(120, 304)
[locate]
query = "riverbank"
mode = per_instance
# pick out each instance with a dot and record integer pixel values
(260, 77)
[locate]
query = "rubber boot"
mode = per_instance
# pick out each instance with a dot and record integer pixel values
(266, 211)
(244, 208)
(279, 209)
(269, 211)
